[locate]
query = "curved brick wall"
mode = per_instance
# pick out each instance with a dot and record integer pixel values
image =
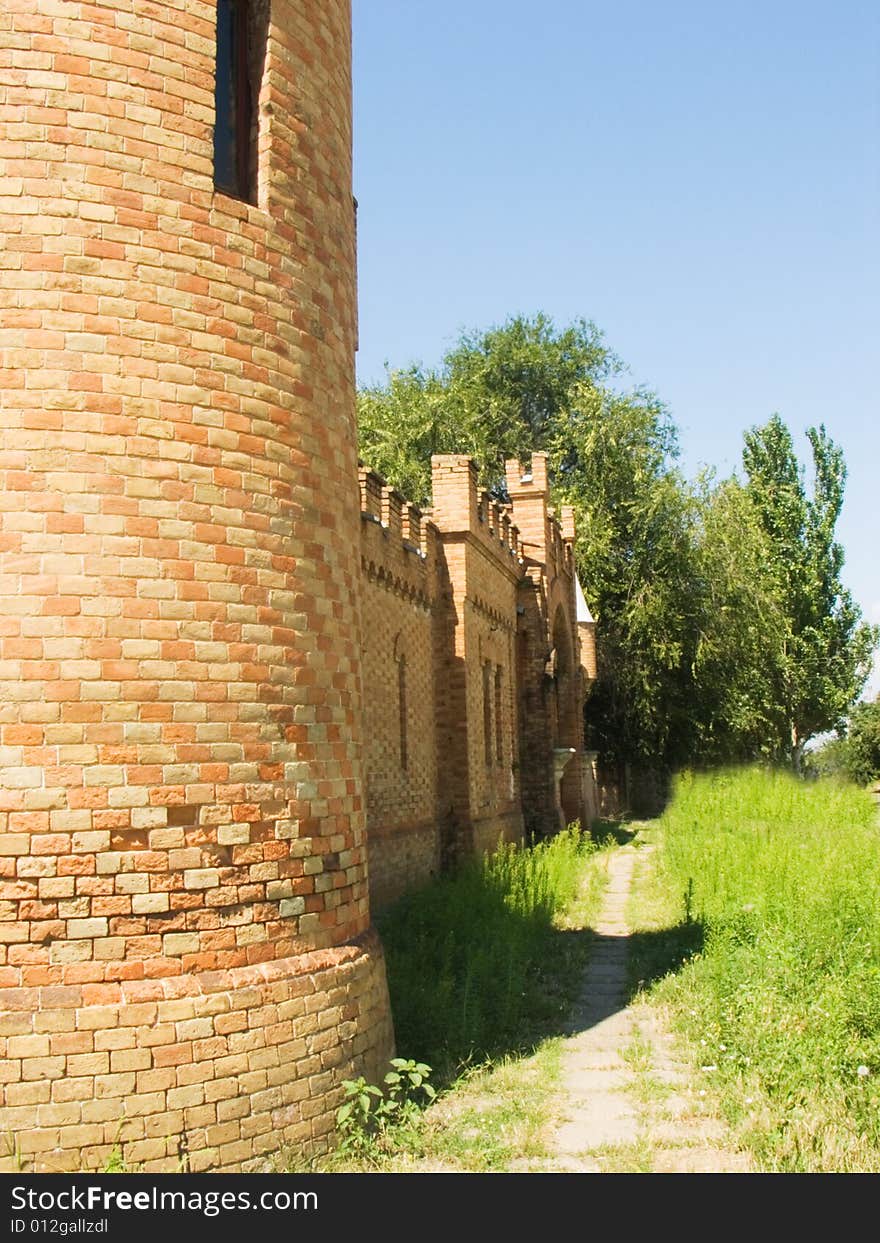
(184, 922)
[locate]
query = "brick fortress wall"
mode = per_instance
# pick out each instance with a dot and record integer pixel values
(476, 663)
(400, 563)
(187, 966)
(217, 683)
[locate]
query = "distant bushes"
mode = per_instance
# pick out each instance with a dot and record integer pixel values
(863, 743)
(857, 754)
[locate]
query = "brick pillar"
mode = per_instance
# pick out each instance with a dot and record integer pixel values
(529, 493)
(455, 502)
(455, 511)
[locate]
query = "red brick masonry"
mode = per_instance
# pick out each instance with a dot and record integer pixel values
(182, 836)
(215, 674)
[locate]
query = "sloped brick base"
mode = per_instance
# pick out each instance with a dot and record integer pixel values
(225, 1070)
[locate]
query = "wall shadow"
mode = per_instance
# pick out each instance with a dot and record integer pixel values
(560, 1005)
(653, 955)
(605, 831)
(623, 967)
(459, 999)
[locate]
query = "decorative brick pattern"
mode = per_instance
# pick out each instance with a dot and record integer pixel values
(208, 1070)
(483, 561)
(218, 684)
(399, 595)
(479, 599)
(180, 713)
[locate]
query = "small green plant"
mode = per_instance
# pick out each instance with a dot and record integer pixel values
(370, 1114)
(13, 1151)
(115, 1163)
(689, 901)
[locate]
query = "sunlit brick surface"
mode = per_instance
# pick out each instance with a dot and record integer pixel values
(181, 818)
(477, 601)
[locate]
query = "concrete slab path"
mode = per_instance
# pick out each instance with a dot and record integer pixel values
(628, 1103)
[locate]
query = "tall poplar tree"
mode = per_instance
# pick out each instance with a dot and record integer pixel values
(826, 647)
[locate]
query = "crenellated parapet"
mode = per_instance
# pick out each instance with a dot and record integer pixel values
(461, 511)
(398, 542)
(472, 703)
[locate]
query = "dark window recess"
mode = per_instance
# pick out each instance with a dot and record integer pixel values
(499, 720)
(487, 712)
(234, 146)
(402, 711)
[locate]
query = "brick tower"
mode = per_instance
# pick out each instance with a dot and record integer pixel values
(186, 961)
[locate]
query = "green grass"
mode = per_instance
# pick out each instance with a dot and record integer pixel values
(760, 927)
(478, 965)
(483, 968)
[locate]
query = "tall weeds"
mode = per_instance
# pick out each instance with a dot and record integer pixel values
(783, 1002)
(464, 955)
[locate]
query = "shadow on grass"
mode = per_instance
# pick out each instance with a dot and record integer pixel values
(653, 955)
(440, 1020)
(604, 832)
(558, 997)
(621, 967)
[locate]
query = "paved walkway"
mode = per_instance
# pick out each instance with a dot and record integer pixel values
(629, 1105)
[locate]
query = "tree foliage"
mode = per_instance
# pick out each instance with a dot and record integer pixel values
(723, 622)
(863, 743)
(498, 394)
(740, 630)
(826, 648)
(853, 752)
(613, 459)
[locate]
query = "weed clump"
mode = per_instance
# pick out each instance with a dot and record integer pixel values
(465, 955)
(372, 1119)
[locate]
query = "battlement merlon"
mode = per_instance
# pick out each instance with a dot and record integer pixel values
(545, 537)
(459, 509)
(528, 480)
(371, 486)
(455, 501)
(401, 527)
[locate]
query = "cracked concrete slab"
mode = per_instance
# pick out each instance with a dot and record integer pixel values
(620, 1104)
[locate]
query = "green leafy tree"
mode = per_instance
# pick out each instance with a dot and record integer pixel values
(613, 458)
(725, 631)
(826, 649)
(527, 385)
(862, 748)
(402, 423)
(498, 394)
(740, 632)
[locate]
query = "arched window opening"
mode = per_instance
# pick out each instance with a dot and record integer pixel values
(563, 707)
(487, 712)
(499, 720)
(402, 713)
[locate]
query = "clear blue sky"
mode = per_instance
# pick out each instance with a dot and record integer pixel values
(701, 180)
